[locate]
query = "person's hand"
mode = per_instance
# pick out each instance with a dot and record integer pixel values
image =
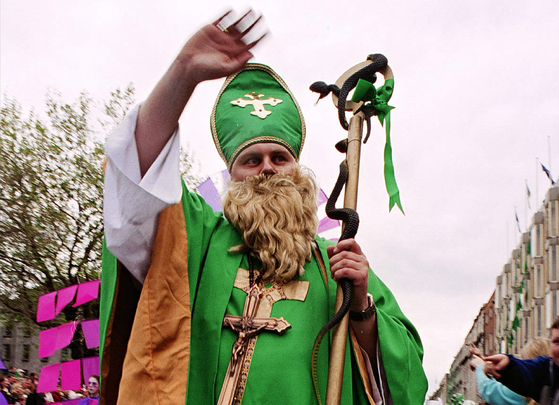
(474, 362)
(495, 364)
(475, 351)
(348, 261)
(216, 51)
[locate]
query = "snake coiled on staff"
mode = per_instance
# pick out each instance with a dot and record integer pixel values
(379, 62)
(349, 216)
(350, 219)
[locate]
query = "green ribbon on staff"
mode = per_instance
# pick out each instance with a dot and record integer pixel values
(366, 92)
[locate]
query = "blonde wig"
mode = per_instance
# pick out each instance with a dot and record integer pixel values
(277, 216)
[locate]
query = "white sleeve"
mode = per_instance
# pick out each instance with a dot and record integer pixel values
(131, 203)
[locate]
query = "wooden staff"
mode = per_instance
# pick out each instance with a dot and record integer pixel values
(355, 134)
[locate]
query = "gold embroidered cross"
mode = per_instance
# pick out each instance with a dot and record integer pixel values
(255, 319)
(256, 100)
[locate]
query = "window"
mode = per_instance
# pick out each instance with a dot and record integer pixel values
(26, 353)
(7, 352)
(539, 321)
(552, 213)
(538, 281)
(7, 330)
(553, 263)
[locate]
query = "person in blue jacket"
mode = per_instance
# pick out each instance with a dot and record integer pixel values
(535, 378)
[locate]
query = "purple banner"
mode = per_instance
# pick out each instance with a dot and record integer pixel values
(90, 366)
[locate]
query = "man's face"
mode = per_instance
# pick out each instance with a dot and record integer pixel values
(265, 157)
(554, 339)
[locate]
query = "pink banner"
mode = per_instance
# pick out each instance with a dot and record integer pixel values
(322, 198)
(211, 195)
(47, 342)
(327, 223)
(65, 334)
(86, 292)
(45, 308)
(90, 366)
(48, 380)
(65, 296)
(91, 333)
(71, 376)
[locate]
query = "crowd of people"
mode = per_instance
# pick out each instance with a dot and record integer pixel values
(20, 388)
(504, 379)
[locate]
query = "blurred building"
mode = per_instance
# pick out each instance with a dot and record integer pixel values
(523, 306)
(19, 347)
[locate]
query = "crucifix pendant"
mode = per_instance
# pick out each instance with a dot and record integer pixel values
(254, 320)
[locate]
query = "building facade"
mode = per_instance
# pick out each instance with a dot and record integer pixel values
(523, 306)
(19, 348)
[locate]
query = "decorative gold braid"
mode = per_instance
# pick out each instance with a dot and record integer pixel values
(255, 66)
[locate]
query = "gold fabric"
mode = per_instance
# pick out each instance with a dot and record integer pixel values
(156, 362)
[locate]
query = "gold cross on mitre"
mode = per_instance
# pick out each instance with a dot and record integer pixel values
(256, 318)
(256, 100)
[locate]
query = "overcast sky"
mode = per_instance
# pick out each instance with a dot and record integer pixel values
(476, 97)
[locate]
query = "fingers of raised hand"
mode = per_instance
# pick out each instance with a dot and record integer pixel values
(249, 28)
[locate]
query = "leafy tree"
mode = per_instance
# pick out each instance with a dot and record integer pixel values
(51, 187)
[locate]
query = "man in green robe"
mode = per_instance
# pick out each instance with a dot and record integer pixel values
(199, 307)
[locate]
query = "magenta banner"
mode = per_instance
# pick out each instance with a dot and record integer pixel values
(71, 376)
(65, 335)
(47, 342)
(48, 380)
(45, 308)
(65, 296)
(91, 333)
(86, 292)
(90, 366)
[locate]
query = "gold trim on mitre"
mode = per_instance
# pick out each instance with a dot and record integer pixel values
(255, 66)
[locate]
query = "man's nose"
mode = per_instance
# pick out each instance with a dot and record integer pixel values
(268, 167)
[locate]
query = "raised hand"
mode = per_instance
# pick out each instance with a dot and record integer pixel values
(214, 51)
(217, 51)
(495, 364)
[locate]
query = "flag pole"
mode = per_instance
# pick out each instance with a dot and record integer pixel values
(549, 153)
(537, 183)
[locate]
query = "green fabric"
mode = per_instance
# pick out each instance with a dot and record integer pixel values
(400, 344)
(366, 92)
(236, 123)
(280, 371)
(108, 286)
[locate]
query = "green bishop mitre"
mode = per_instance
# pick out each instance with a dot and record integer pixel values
(255, 105)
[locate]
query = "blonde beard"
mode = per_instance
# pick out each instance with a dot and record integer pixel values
(277, 216)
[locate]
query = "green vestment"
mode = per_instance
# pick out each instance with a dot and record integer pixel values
(280, 372)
